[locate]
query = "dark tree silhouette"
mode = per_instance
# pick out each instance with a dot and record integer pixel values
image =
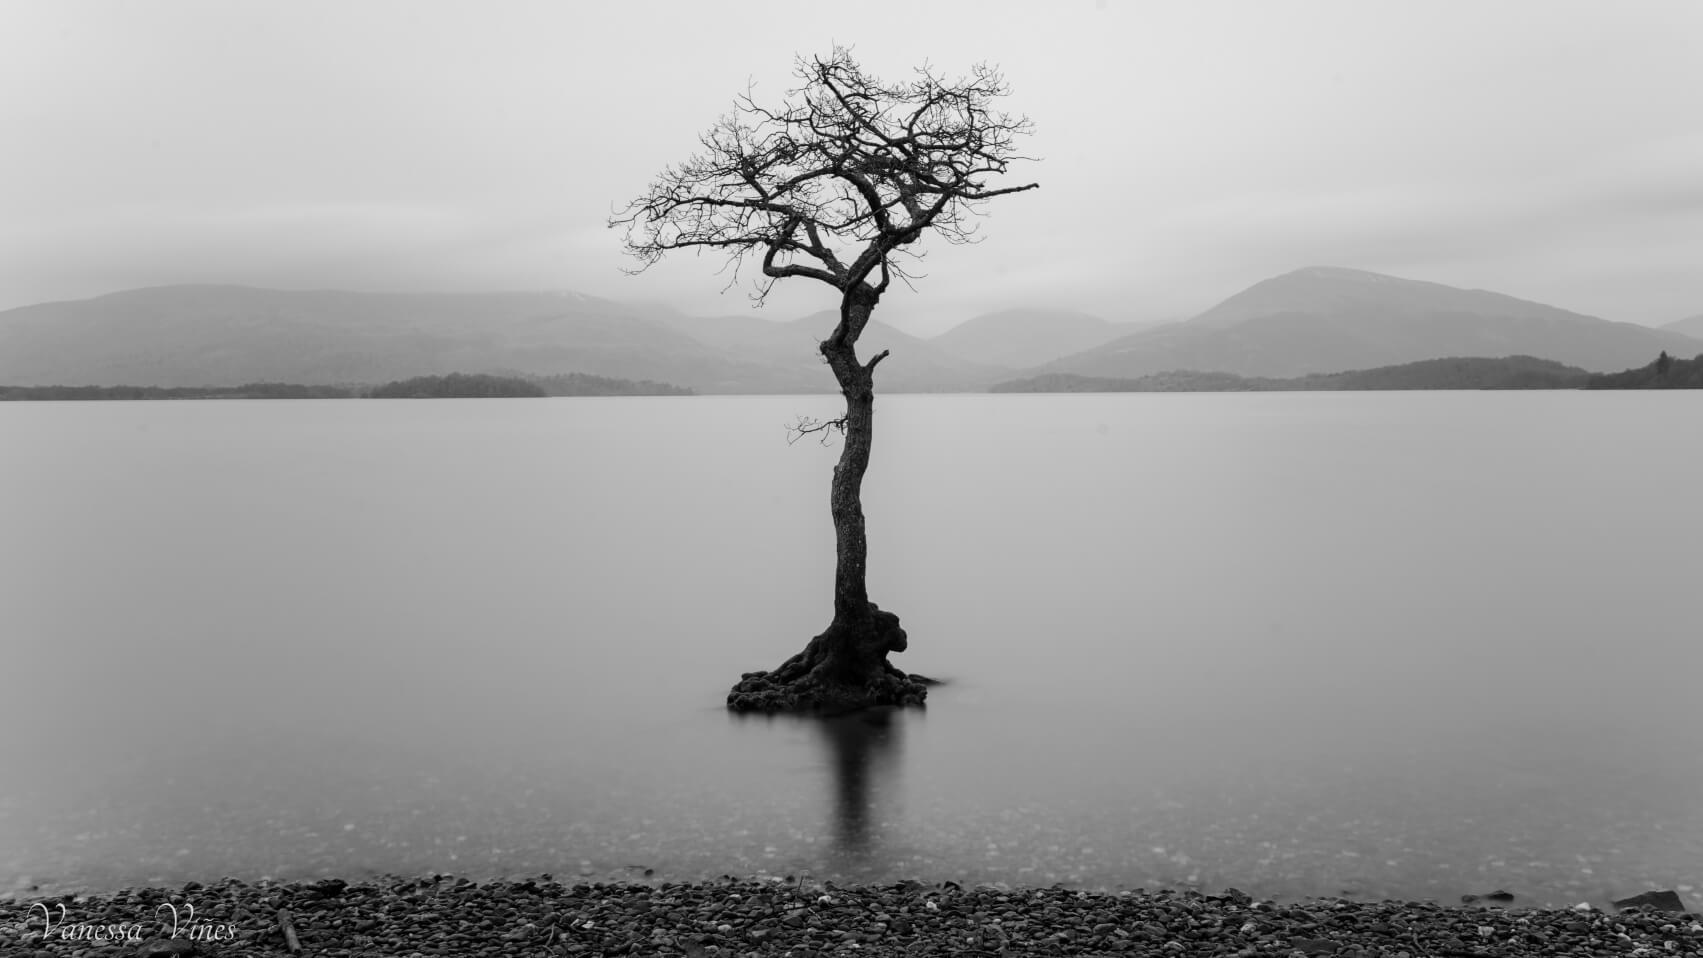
(837, 184)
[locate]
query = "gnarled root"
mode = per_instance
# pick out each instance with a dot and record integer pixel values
(840, 670)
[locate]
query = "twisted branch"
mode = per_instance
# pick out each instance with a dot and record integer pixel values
(838, 182)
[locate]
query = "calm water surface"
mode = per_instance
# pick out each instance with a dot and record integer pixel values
(1400, 644)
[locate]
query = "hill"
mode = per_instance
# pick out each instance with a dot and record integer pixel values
(112, 393)
(1325, 319)
(204, 336)
(211, 335)
(1019, 338)
(1689, 326)
(785, 352)
(1311, 321)
(1510, 372)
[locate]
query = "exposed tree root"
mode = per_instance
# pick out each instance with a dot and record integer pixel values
(841, 670)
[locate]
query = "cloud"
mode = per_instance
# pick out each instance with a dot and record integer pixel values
(1188, 150)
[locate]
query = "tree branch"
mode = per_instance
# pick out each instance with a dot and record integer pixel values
(808, 426)
(837, 180)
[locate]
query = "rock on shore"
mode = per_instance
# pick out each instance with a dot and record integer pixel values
(440, 915)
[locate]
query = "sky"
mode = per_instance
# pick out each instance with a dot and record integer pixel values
(1546, 149)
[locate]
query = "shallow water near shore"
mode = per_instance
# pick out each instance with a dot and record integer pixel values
(1409, 645)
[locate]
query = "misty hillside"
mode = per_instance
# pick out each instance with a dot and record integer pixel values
(178, 336)
(1020, 338)
(1325, 319)
(209, 335)
(1310, 321)
(1455, 372)
(1689, 326)
(791, 363)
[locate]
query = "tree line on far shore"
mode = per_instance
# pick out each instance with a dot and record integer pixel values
(247, 391)
(452, 386)
(1511, 372)
(1665, 373)
(459, 386)
(1508, 372)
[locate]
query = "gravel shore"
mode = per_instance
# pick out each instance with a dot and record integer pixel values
(442, 915)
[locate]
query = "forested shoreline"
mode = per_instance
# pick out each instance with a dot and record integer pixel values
(1510, 372)
(1469, 372)
(452, 386)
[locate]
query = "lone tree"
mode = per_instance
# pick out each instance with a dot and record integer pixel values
(836, 185)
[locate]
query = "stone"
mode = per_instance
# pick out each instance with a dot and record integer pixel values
(771, 916)
(1660, 900)
(166, 948)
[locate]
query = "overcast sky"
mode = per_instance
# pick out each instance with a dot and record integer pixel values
(1546, 149)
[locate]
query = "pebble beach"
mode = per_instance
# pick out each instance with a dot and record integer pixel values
(800, 918)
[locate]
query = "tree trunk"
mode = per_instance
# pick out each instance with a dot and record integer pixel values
(845, 495)
(846, 666)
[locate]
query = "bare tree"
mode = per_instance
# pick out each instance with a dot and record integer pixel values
(837, 184)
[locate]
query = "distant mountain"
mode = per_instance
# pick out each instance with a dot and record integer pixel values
(1326, 319)
(1509, 372)
(787, 352)
(1181, 381)
(1019, 338)
(916, 365)
(1689, 326)
(212, 335)
(1315, 320)
(177, 336)
(125, 393)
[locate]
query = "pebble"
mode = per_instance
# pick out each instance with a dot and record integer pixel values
(442, 915)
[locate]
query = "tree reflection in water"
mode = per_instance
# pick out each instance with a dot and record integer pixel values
(863, 747)
(861, 751)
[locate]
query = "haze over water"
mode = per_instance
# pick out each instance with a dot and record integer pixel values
(1392, 645)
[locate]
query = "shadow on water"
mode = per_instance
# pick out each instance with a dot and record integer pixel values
(862, 751)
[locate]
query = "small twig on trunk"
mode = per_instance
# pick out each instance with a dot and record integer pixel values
(806, 426)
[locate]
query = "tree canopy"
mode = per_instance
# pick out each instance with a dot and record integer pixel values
(848, 172)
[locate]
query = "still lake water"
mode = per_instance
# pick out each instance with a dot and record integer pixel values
(1381, 645)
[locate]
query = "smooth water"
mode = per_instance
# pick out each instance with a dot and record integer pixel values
(1376, 644)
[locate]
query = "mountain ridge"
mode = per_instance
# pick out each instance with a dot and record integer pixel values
(1319, 320)
(1689, 326)
(1453, 372)
(1311, 320)
(1027, 336)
